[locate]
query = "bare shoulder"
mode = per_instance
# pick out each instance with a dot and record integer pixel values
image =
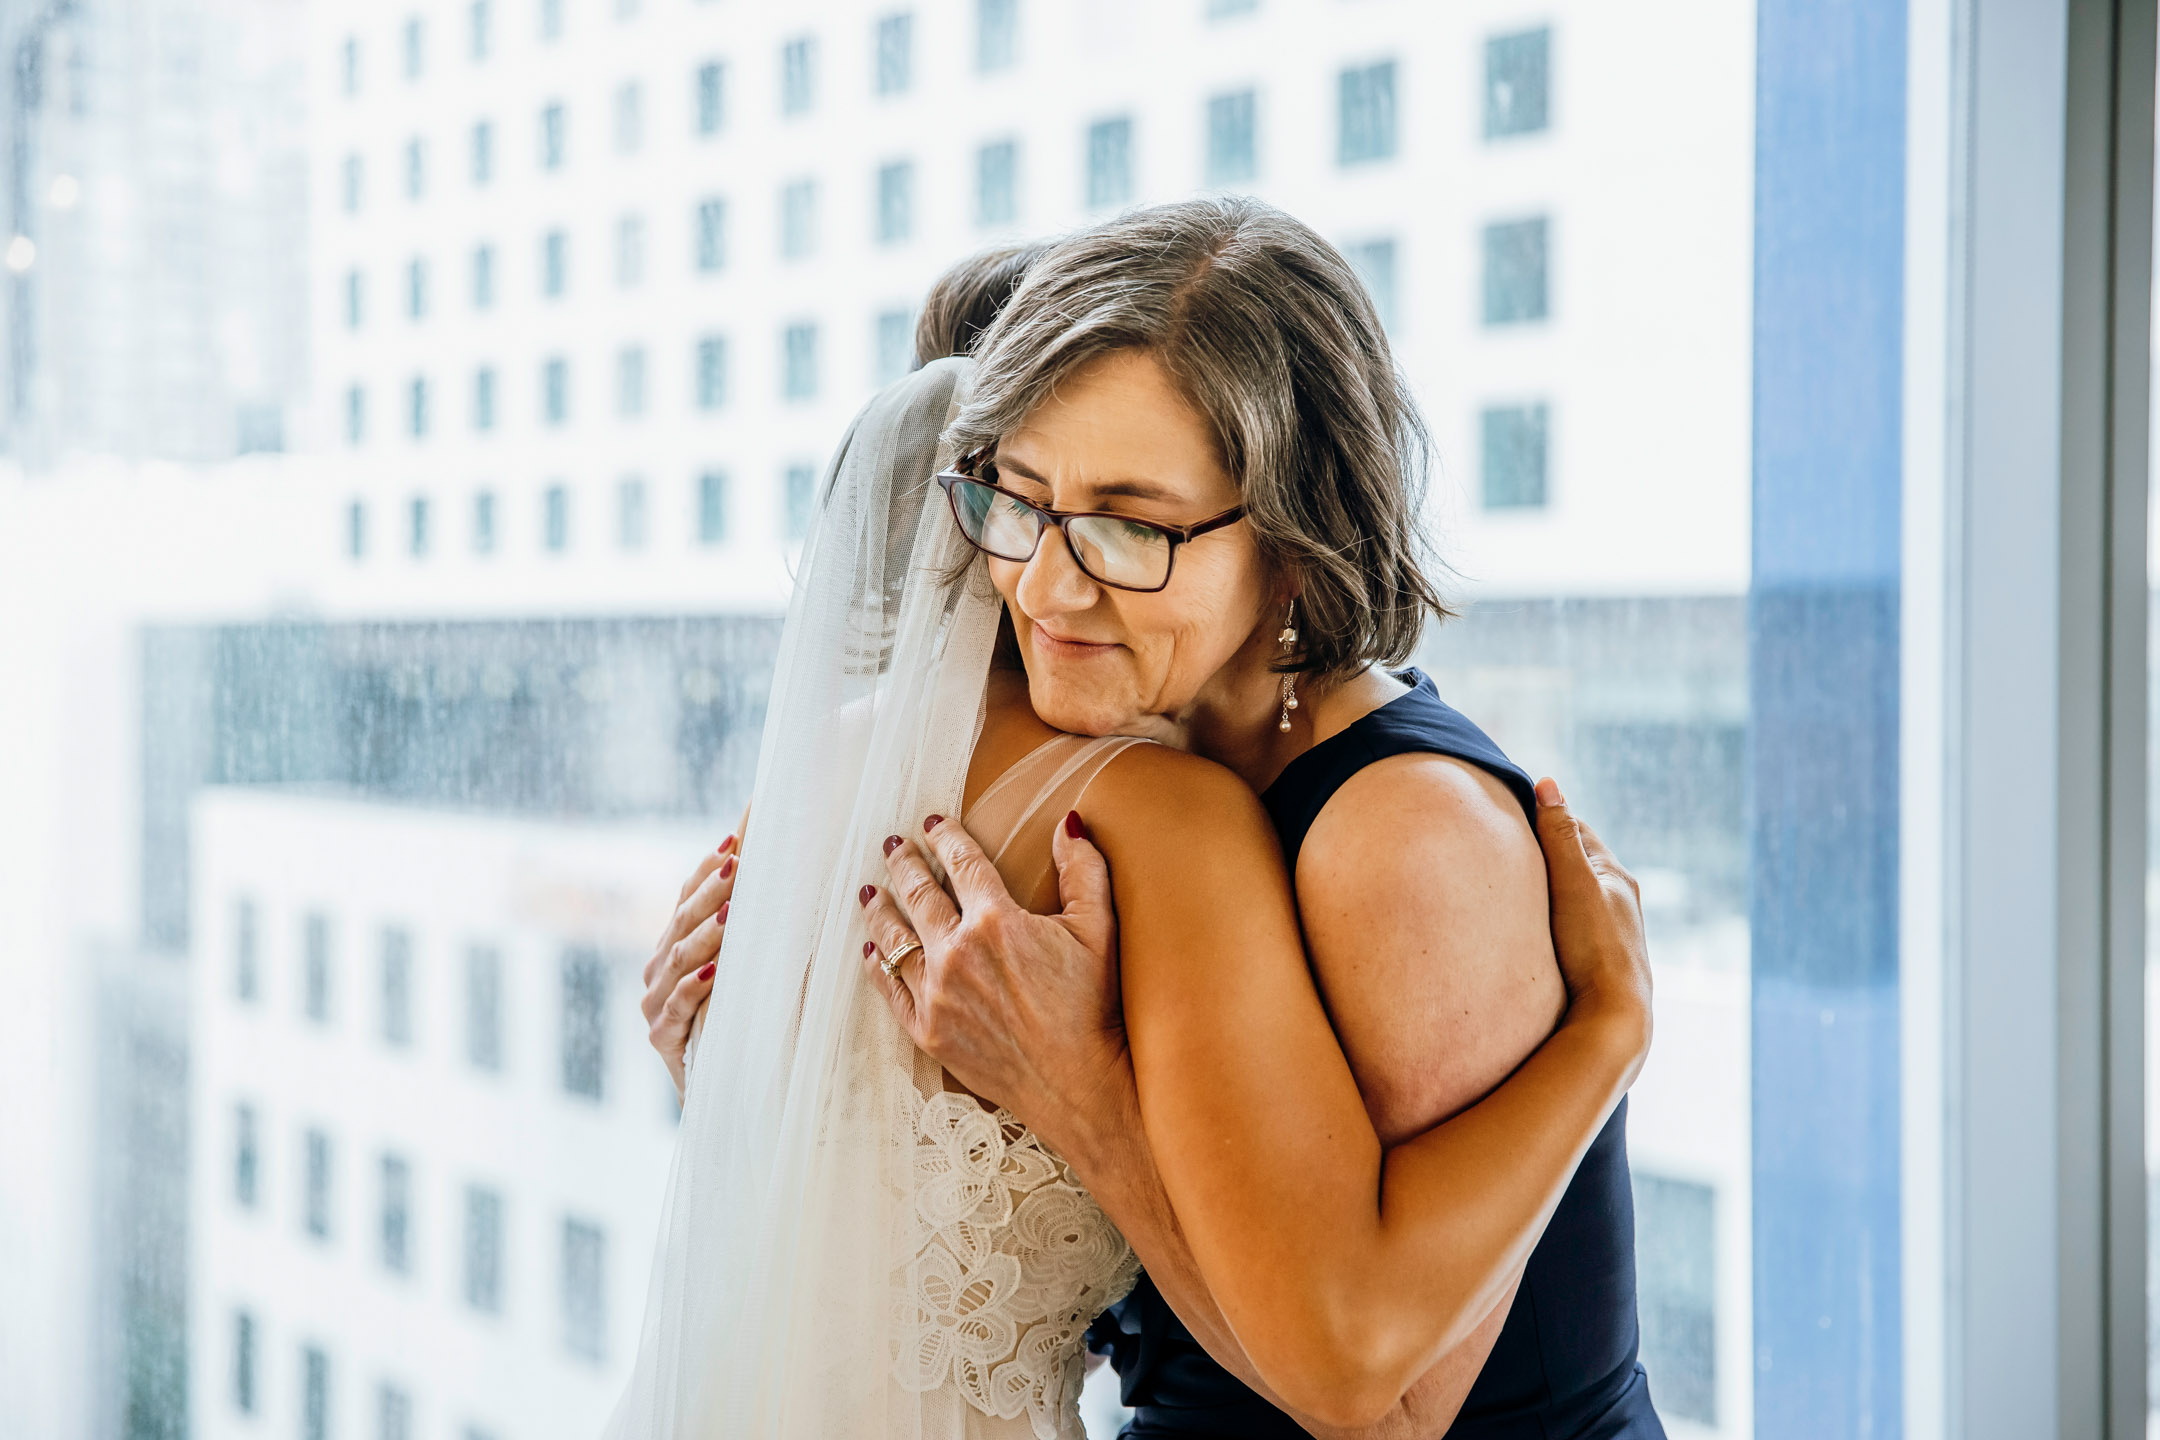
(1422, 805)
(1170, 797)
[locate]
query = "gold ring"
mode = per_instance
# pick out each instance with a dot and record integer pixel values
(891, 963)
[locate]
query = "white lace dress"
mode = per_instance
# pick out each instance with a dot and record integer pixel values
(1012, 1259)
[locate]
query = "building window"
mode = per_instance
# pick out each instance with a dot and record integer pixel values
(1109, 162)
(416, 289)
(483, 152)
(711, 372)
(895, 202)
(247, 951)
(415, 54)
(996, 183)
(483, 1249)
(630, 382)
(1513, 448)
(355, 298)
(417, 408)
(1374, 262)
(418, 513)
(1367, 114)
(481, 29)
(396, 1215)
(483, 277)
(798, 83)
(352, 180)
(1224, 9)
(584, 1292)
(712, 507)
(584, 1023)
(555, 390)
(1515, 270)
(415, 168)
(630, 251)
(393, 1413)
(798, 362)
(483, 398)
(710, 98)
(1232, 148)
(555, 518)
(314, 1394)
(551, 19)
(247, 1157)
(315, 1198)
(554, 123)
(800, 485)
(315, 965)
(895, 54)
(895, 345)
(355, 529)
(243, 1362)
(355, 414)
(483, 991)
(554, 263)
(798, 219)
(629, 117)
(630, 526)
(711, 235)
(483, 529)
(350, 65)
(397, 963)
(1676, 1257)
(1518, 83)
(997, 34)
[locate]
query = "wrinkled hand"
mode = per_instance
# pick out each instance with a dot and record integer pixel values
(1022, 1008)
(1597, 922)
(679, 977)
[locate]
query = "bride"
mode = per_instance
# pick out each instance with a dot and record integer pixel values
(853, 1244)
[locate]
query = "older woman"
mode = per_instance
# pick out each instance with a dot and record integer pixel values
(1200, 401)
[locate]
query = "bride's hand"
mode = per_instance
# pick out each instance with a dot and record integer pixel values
(1022, 1008)
(1597, 922)
(679, 976)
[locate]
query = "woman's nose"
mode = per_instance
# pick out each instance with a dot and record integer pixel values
(1053, 583)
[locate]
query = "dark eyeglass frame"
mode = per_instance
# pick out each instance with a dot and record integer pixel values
(951, 480)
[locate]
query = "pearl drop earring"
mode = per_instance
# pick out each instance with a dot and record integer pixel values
(1288, 640)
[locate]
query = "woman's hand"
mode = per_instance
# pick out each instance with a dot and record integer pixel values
(1022, 1008)
(1597, 922)
(679, 977)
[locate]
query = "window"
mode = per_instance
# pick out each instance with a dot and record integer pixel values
(480, 28)
(415, 168)
(355, 414)
(1109, 163)
(554, 124)
(798, 220)
(630, 526)
(397, 958)
(1232, 154)
(315, 1196)
(630, 251)
(247, 957)
(315, 962)
(314, 1394)
(417, 407)
(997, 34)
(1676, 1241)
(554, 263)
(797, 82)
(396, 1215)
(483, 523)
(630, 382)
(711, 372)
(247, 1157)
(483, 990)
(355, 297)
(712, 491)
(418, 513)
(798, 362)
(996, 181)
(483, 1249)
(584, 1289)
(393, 1413)
(1518, 71)
(416, 289)
(415, 54)
(555, 518)
(1513, 456)
(1225, 9)
(349, 65)
(895, 54)
(895, 201)
(584, 1023)
(1515, 270)
(483, 398)
(555, 390)
(800, 485)
(629, 117)
(243, 1362)
(1367, 118)
(355, 530)
(483, 152)
(483, 277)
(1374, 261)
(551, 19)
(352, 179)
(711, 235)
(711, 112)
(894, 345)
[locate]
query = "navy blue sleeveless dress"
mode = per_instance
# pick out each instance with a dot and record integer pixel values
(1564, 1366)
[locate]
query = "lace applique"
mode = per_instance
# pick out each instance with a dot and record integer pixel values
(1012, 1260)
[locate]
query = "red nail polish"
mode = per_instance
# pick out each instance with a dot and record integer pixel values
(862, 896)
(707, 972)
(727, 867)
(722, 916)
(892, 843)
(932, 823)
(1075, 826)
(727, 844)
(869, 948)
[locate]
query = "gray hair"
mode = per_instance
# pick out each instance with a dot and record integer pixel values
(1266, 329)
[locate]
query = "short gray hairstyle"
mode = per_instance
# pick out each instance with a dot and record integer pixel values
(1266, 329)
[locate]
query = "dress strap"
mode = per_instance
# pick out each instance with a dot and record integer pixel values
(1051, 777)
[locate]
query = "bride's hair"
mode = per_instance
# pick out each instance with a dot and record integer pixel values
(1268, 331)
(966, 298)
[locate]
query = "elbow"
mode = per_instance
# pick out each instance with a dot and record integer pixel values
(1347, 1371)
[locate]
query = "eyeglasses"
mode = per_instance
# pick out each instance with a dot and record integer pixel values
(1120, 551)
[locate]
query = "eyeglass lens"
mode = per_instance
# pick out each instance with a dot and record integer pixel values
(1114, 551)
